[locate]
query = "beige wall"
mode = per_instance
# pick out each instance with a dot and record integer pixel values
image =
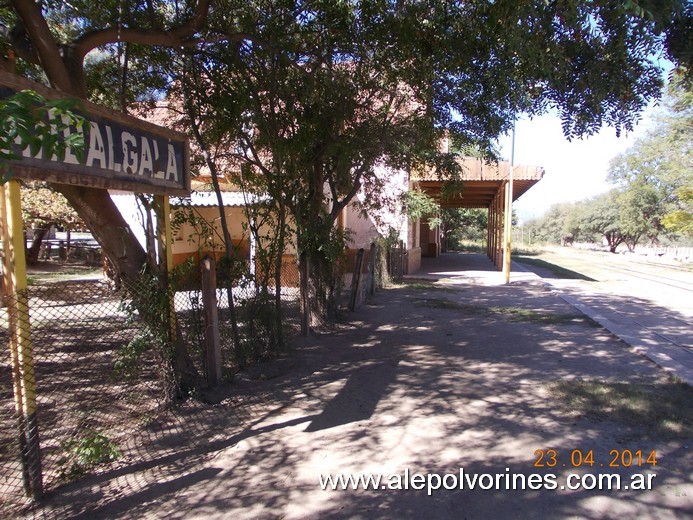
(187, 240)
(267, 231)
(363, 230)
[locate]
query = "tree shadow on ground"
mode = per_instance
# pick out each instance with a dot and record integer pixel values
(399, 387)
(550, 270)
(359, 397)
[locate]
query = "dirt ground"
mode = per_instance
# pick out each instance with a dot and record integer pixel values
(425, 378)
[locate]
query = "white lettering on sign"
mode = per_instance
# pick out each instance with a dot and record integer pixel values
(119, 151)
(97, 150)
(112, 165)
(141, 158)
(172, 168)
(140, 154)
(70, 158)
(145, 157)
(129, 152)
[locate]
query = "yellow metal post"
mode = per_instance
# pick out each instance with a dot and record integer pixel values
(508, 227)
(11, 302)
(165, 246)
(21, 349)
(165, 242)
(509, 212)
(165, 234)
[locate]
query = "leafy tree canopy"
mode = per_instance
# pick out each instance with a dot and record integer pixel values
(43, 207)
(652, 179)
(552, 227)
(654, 176)
(593, 60)
(601, 217)
(466, 67)
(460, 224)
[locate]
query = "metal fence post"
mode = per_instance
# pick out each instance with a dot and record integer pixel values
(209, 301)
(304, 271)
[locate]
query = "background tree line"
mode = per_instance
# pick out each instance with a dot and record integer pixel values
(652, 194)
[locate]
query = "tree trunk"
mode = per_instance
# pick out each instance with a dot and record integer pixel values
(32, 253)
(64, 68)
(149, 230)
(65, 72)
(304, 276)
(613, 240)
(128, 258)
(278, 274)
(309, 265)
(632, 242)
(211, 164)
(228, 242)
(110, 230)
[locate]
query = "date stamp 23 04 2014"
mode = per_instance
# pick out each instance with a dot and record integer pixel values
(616, 458)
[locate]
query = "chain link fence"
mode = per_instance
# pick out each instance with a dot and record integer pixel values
(255, 320)
(83, 407)
(103, 368)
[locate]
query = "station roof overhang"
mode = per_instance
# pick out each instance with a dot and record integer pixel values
(481, 181)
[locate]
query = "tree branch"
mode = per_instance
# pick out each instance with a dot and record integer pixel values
(46, 47)
(339, 205)
(173, 38)
(20, 46)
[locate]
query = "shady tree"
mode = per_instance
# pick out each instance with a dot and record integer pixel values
(469, 68)
(313, 98)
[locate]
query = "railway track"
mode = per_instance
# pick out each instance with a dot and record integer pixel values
(656, 278)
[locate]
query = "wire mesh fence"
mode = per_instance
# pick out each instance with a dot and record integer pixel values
(96, 364)
(255, 319)
(83, 408)
(102, 372)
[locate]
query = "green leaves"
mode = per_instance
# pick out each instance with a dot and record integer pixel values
(654, 175)
(42, 205)
(30, 122)
(652, 179)
(420, 205)
(83, 453)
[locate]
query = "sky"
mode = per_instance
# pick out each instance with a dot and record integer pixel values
(574, 170)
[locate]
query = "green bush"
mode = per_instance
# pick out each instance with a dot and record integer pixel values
(85, 453)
